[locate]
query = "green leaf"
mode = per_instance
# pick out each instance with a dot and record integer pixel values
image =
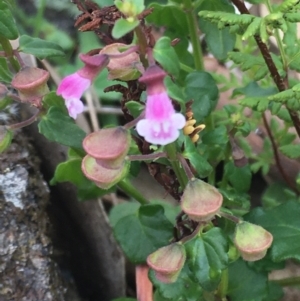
(219, 41)
(143, 232)
(284, 224)
(202, 88)
(259, 104)
(40, 48)
(8, 28)
(53, 100)
(57, 126)
(252, 29)
(246, 284)
(276, 194)
(174, 90)
(135, 108)
(70, 171)
(165, 54)
(207, 257)
(237, 202)
(169, 16)
(121, 210)
(183, 289)
(217, 136)
(239, 177)
(201, 165)
(122, 27)
(292, 150)
(5, 74)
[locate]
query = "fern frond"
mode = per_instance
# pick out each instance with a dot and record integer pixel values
(292, 17)
(288, 5)
(259, 104)
(252, 29)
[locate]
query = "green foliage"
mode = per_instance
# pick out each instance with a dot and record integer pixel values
(207, 257)
(197, 160)
(165, 54)
(283, 222)
(40, 48)
(143, 231)
(5, 74)
(292, 151)
(70, 171)
(239, 177)
(57, 126)
(201, 87)
(243, 280)
(170, 16)
(185, 288)
(122, 27)
(219, 41)
(8, 27)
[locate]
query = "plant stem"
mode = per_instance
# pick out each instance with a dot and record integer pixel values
(291, 281)
(280, 83)
(24, 123)
(194, 34)
(39, 18)
(9, 53)
(229, 216)
(279, 43)
(223, 286)
(277, 158)
(128, 188)
(186, 68)
(142, 41)
(152, 156)
(186, 167)
(179, 171)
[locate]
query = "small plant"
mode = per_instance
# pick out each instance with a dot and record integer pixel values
(200, 151)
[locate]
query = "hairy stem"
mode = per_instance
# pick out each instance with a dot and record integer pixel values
(9, 53)
(24, 123)
(276, 156)
(291, 281)
(128, 188)
(152, 156)
(186, 167)
(223, 286)
(194, 34)
(179, 171)
(142, 41)
(280, 83)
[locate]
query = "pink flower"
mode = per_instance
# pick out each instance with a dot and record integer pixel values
(73, 86)
(161, 124)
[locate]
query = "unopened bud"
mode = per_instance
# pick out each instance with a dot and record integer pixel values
(167, 262)
(124, 68)
(109, 146)
(103, 177)
(252, 241)
(31, 83)
(201, 201)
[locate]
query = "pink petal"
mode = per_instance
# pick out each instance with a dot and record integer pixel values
(74, 106)
(73, 86)
(159, 107)
(161, 133)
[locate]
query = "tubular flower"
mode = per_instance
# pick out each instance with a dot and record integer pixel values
(161, 124)
(73, 86)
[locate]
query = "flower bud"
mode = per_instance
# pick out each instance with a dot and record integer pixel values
(167, 262)
(103, 177)
(109, 146)
(201, 201)
(252, 241)
(5, 138)
(124, 68)
(31, 83)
